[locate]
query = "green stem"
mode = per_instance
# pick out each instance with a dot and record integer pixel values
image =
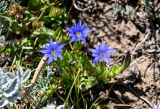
(94, 102)
(77, 93)
(66, 101)
(71, 46)
(100, 97)
(102, 67)
(15, 106)
(44, 9)
(84, 102)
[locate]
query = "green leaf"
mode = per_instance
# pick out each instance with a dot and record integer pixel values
(104, 76)
(125, 64)
(16, 27)
(34, 4)
(56, 12)
(7, 18)
(77, 45)
(26, 75)
(56, 33)
(85, 84)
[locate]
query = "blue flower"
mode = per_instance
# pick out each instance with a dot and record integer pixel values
(53, 50)
(156, 106)
(101, 53)
(78, 32)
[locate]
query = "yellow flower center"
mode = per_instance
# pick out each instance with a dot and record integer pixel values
(78, 34)
(101, 55)
(54, 53)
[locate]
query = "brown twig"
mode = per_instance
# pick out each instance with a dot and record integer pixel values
(142, 98)
(135, 61)
(139, 44)
(38, 70)
(36, 74)
(115, 106)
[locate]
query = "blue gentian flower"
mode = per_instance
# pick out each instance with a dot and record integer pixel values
(53, 50)
(101, 53)
(78, 32)
(156, 106)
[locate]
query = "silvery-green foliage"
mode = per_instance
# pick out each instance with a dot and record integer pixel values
(43, 81)
(50, 72)
(53, 106)
(127, 10)
(8, 88)
(3, 6)
(23, 76)
(147, 6)
(50, 106)
(3, 9)
(9, 85)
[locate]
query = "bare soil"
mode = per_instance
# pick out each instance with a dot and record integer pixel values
(133, 28)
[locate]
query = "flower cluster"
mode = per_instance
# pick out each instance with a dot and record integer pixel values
(53, 51)
(102, 53)
(78, 32)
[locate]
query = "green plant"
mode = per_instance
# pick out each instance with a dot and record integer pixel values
(70, 69)
(8, 89)
(10, 85)
(23, 28)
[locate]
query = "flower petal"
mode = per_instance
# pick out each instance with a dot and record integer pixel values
(80, 22)
(102, 46)
(95, 59)
(72, 39)
(93, 51)
(83, 40)
(45, 51)
(107, 60)
(51, 41)
(102, 49)
(86, 31)
(60, 56)
(49, 48)
(50, 59)
(48, 55)
(79, 27)
(69, 29)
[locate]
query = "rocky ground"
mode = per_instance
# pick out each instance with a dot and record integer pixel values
(128, 26)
